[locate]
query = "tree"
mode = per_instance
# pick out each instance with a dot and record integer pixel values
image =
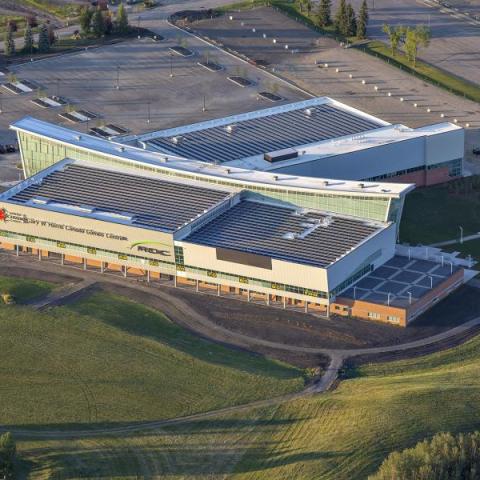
(444, 457)
(51, 35)
(362, 20)
(396, 35)
(86, 20)
(351, 22)
(324, 16)
(341, 22)
(9, 43)
(8, 451)
(43, 41)
(414, 39)
(122, 19)
(98, 23)
(28, 39)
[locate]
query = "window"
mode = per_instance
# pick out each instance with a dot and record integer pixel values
(374, 315)
(179, 258)
(393, 319)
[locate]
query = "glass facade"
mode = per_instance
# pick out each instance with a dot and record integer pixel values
(39, 153)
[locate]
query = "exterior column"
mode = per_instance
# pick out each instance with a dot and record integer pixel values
(148, 276)
(218, 290)
(284, 302)
(174, 280)
(196, 285)
(17, 249)
(39, 255)
(124, 271)
(248, 295)
(328, 311)
(306, 306)
(268, 299)
(102, 267)
(84, 263)
(62, 259)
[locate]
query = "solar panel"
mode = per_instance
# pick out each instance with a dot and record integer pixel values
(311, 238)
(265, 134)
(151, 202)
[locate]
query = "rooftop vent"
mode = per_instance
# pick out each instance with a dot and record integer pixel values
(289, 236)
(121, 149)
(280, 155)
(176, 140)
(230, 128)
(275, 177)
(326, 183)
(78, 137)
(165, 159)
(228, 171)
(308, 112)
(361, 185)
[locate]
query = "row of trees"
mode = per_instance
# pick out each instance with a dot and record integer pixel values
(408, 38)
(346, 21)
(8, 452)
(46, 38)
(444, 457)
(98, 22)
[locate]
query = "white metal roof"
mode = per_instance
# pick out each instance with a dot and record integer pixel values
(201, 170)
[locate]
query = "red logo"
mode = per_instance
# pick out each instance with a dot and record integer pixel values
(3, 214)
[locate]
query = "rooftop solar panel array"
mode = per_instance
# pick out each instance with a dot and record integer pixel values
(153, 203)
(265, 134)
(266, 229)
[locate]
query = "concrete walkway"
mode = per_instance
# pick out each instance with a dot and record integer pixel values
(475, 236)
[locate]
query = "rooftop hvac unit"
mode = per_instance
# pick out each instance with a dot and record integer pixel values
(280, 155)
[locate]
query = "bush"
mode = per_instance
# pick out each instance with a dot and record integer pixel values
(8, 451)
(444, 457)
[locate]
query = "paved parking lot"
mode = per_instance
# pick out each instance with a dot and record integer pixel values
(89, 80)
(455, 44)
(301, 67)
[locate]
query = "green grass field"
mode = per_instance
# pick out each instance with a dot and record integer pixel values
(342, 435)
(24, 290)
(433, 214)
(108, 360)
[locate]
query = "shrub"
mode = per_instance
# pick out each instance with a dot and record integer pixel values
(444, 457)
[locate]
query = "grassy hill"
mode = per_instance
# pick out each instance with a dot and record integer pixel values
(341, 435)
(24, 290)
(109, 360)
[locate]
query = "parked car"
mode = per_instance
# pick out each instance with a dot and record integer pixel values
(476, 151)
(10, 148)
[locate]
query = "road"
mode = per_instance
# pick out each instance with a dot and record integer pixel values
(205, 327)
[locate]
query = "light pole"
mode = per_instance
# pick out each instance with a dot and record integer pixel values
(148, 112)
(461, 234)
(409, 298)
(388, 298)
(204, 108)
(1, 102)
(431, 281)
(118, 77)
(171, 65)
(354, 292)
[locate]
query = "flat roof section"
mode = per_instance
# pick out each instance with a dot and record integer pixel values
(117, 196)
(244, 137)
(201, 170)
(299, 236)
(395, 281)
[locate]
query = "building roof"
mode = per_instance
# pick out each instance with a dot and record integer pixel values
(119, 196)
(263, 131)
(201, 170)
(400, 281)
(295, 235)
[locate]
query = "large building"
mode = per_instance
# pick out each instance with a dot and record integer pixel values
(319, 138)
(230, 240)
(224, 206)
